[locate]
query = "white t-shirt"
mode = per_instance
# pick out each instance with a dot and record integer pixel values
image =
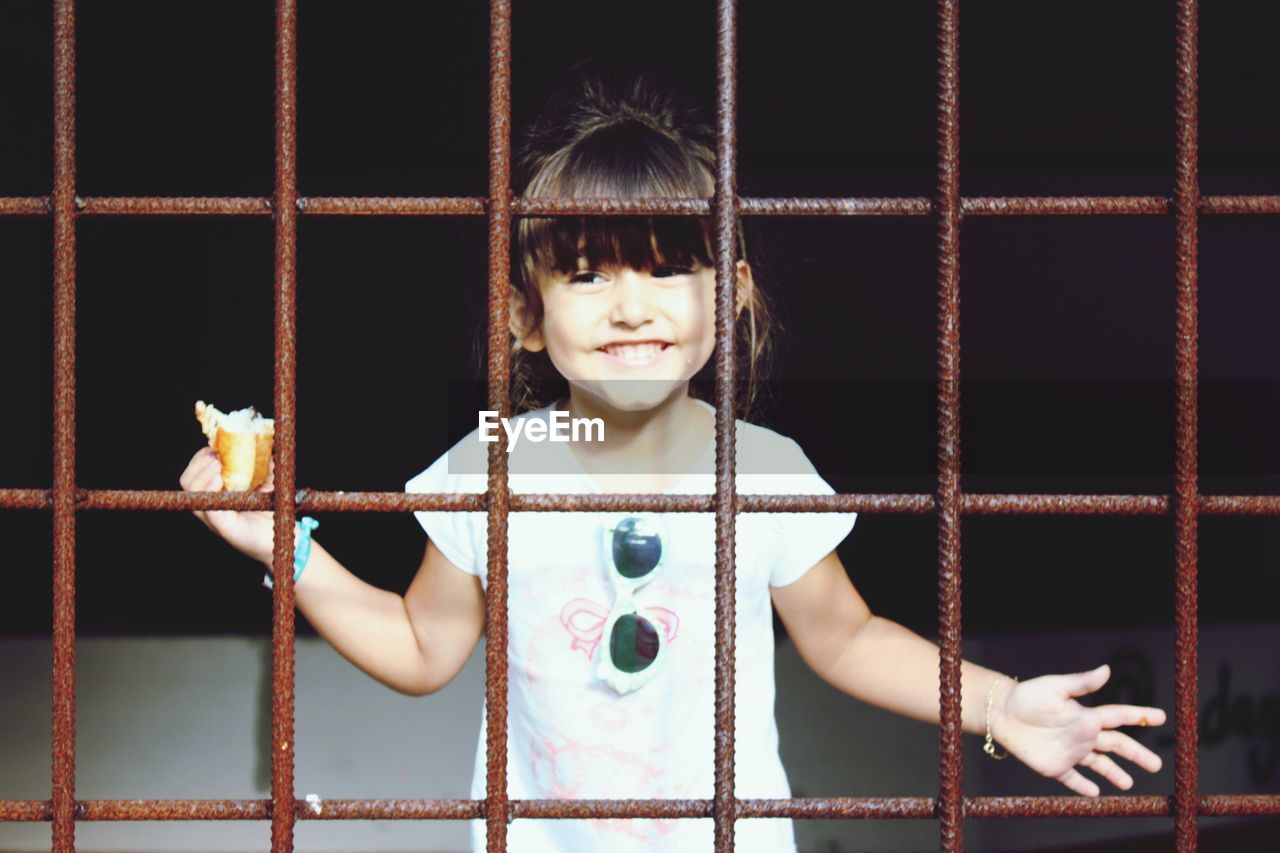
(570, 735)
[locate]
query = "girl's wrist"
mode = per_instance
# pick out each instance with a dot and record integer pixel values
(302, 546)
(996, 714)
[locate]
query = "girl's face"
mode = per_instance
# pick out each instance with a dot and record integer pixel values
(629, 338)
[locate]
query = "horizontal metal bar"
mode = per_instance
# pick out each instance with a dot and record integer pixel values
(1063, 206)
(393, 206)
(184, 206)
(469, 206)
(26, 206)
(1233, 204)
(803, 808)
(900, 504)
(608, 206)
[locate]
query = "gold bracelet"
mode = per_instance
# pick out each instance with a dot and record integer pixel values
(990, 747)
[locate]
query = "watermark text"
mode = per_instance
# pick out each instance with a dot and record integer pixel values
(559, 427)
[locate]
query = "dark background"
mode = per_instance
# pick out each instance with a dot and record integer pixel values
(1067, 323)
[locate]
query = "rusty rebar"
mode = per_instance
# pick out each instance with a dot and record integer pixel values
(285, 446)
(1186, 622)
(725, 503)
(64, 427)
(497, 809)
(947, 210)
(1234, 205)
(803, 808)
(971, 503)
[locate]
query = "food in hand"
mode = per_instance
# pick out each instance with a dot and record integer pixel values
(242, 440)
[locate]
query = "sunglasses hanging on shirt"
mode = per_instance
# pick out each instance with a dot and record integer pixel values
(632, 651)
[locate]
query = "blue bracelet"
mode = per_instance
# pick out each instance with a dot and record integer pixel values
(301, 552)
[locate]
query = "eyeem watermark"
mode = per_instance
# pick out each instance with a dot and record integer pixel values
(560, 428)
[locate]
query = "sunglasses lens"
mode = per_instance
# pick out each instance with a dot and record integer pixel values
(637, 547)
(634, 643)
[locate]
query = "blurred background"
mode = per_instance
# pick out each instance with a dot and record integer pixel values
(1067, 354)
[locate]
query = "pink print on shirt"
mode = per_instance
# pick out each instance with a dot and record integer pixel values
(584, 620)
(634, 767)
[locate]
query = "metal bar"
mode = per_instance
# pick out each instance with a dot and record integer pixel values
(1186, 619)
(175, 206)
(466, 206)
(497, 807)
(403, 206)
(886, 504)
(726, 227)
(64, 427)
(802, 808)
(951, 752)
(26, 206)
(1066, 206)
(284, 449)
(1238, 204)
(613, 206)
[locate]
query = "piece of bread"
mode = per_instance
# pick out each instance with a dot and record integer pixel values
(242, 440)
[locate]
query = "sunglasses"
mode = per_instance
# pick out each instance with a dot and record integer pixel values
(632, 654)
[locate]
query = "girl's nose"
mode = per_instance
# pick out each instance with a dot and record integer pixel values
(632, 298)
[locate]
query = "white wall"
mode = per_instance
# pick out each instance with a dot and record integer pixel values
(168, 717)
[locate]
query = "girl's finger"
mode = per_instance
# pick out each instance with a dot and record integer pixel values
(1086, 682)
(1114, 716)
(208, 477)
(1126, 747)
(1108, 769)
(213, 483)
(1074, 780)
(198, 485)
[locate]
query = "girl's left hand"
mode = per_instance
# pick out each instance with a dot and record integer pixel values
(1041, 723)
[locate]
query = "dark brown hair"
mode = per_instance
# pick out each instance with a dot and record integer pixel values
(606, 139)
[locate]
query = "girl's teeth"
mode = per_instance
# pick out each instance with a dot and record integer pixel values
(634, 352)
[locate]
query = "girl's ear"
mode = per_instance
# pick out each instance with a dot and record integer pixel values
(746, 288)
(522, 326)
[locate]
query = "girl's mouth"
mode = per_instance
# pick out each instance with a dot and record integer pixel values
(634, 355)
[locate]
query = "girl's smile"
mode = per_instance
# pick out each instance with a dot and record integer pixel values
(629, 354)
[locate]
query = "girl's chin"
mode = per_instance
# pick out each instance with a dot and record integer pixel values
(633, 395)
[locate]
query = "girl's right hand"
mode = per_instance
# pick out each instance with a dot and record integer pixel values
(249, 532)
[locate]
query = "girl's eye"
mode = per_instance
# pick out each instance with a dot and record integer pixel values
(669, 271)
(585, 277)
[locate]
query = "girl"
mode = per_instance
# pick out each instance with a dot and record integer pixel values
(611, 668)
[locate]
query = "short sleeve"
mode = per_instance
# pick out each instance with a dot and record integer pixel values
(454, 533)
(804, 538)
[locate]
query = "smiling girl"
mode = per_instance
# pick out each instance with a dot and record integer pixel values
(611, 615)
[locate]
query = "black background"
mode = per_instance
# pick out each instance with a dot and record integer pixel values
(1067, 323)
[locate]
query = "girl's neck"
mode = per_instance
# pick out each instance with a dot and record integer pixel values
(660, 443)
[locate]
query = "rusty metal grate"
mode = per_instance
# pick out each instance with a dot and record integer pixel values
(950, 807)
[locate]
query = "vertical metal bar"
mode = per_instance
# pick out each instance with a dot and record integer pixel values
(1185, 498)
(726, 498)
(64, 426)
(282, 624)
(951, 793)
(496, 804)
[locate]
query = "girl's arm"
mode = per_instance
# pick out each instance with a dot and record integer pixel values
(872, 658)
(415, 643)
(885, 664)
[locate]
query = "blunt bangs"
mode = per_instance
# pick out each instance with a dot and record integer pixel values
(629, 159)
(641, 243)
